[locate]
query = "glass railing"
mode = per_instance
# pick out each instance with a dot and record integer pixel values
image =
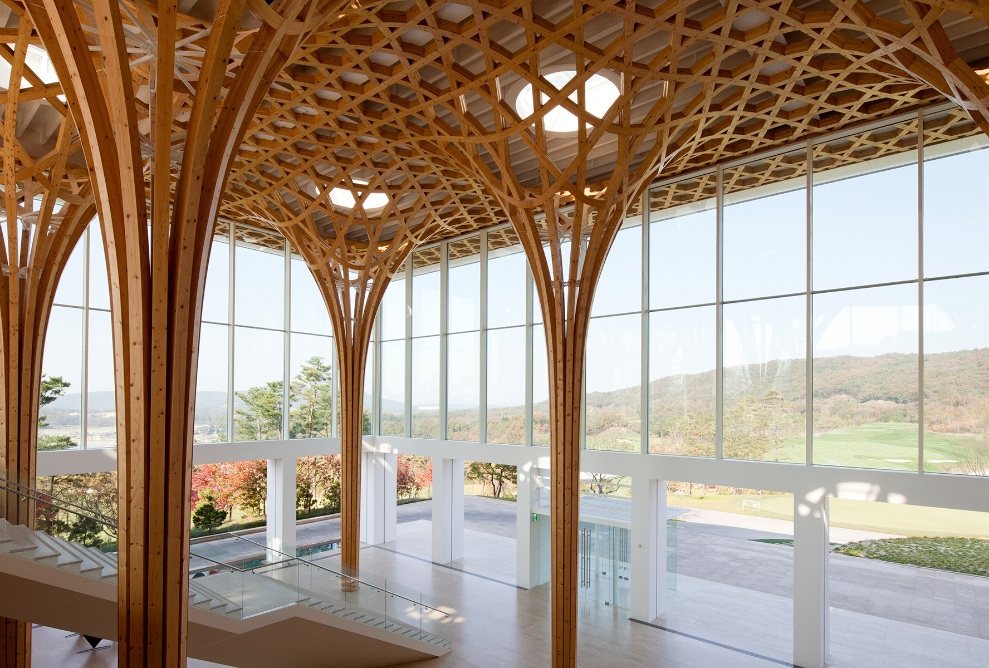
(259, 580)
(366, 598)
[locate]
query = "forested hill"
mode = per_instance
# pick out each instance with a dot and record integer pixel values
(954, 378)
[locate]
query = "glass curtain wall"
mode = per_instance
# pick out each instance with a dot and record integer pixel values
(811, 306)
(266, 347)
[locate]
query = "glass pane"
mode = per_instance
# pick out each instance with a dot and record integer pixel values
(540, 387)
(682, 359)
(765, 380)
(101, 395)
(211, 385)
(464, 302)
(312, 386)
(956, 357)
(258, 379)
(506, 386)
(865, 213)
(309, 312)
(683, 244)
(260, 286)
(463, 386)
(506, 279)
(765, 228)
(216, 297)
(368, 398)
(70, 283)
(425, 299)
(866, 378)
(426, 387)
(955, 233)
(614, 384)
(393, 388)
(619, 289)
(99, 281)
(392, 309)
(60, 422)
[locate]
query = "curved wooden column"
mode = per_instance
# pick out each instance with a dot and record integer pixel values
(565, 282)
(157, 285)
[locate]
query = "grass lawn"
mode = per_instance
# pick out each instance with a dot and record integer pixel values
(958, 555)
(891, 518)
(884, 445)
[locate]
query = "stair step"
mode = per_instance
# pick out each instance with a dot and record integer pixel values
(88, 566)
(27, 546)
(66, 560)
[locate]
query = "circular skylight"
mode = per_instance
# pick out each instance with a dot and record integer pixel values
(344, 198)
(599, 94)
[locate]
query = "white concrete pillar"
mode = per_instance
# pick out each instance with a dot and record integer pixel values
(448, 510)
(811, 553)
(648, 578)
(280, 508)
(379, 480)
(532, 553)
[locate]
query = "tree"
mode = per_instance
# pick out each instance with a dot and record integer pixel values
(414, 474)
(604, 483)
(252, 485)
(496, 475)
(313, 388)
(312, 474)
(51, 389)
(261, 416)
(220, 481)
(207, 515)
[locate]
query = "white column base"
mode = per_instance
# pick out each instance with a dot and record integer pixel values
(811, 555)
(280, 509)
(648, 578)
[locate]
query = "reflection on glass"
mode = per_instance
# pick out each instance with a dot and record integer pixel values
(861, 238)
(463, 386)
(426, 300)
(60, 421)
(211, 385)
(258, 384)
(506, 385)
(368, 398)
(99, 279)
(540, 387)
(311, 372)
(392, 310)
(955, 232)
(956, 376)
(216, 296)
(619, 288)
(259, 292)
(506, 286)
(71, 282)
(393, 388)
(613, 384)
(765, 380)
(101, 395)
(426, 387)
(865, 378)
(765, 231)
(682, 249)
(309, 312)
(464, 281)
(682, 360)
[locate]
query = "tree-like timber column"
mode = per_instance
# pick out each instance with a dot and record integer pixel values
(27, 291)
(352, 280)
(156, 284)
(565, 282)
(40, 236)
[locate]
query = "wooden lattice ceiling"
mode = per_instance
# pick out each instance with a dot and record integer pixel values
(413, 100)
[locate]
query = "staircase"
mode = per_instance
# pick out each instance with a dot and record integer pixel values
(237, 616)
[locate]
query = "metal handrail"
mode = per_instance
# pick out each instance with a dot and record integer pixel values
(330, 570)
(107, 522)
(55, 502)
